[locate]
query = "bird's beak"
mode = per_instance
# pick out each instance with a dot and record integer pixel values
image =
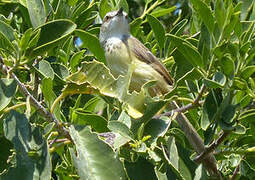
(120, 12)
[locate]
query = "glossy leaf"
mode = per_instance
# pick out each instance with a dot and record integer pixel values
(187, 50)
(98, 123)
(121, 128)
(32, 154)
(247, 72)
(161, 12)
(205, 13)
(36, 11)
(104, 7)
(158, 30)
(51, 35)
(94, 47)
(93, 152)
(7, 91)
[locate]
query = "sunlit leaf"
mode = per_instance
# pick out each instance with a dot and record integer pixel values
(93, 152)
(32, 154)
(7, 91)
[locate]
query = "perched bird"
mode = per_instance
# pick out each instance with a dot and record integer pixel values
(122, 50)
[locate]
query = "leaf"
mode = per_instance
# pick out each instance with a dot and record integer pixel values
(51, 35)
(179, 27)
(210, 107)
(187, 50)
(25, 39)
(140, 169)
(98, 123)
(7, 31)
(121, 128)
(157, 128)
(205, 13)
(93, 152)
(36, 11)
(104, 7)
(76, 59)
(218, 81)
(32, 154)
(220, 12)
(162, 11)
(94, 47)
(5, 44)
(45, 69)
(205, 45)
(227, 65)
(158, 30)
(135, 25)
(7, 91)
(247, 72)
(173, 152)
(122, 4)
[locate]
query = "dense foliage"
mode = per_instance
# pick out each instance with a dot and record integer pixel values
(64, 116)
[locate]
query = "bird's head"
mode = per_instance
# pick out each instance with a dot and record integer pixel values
(115, 24)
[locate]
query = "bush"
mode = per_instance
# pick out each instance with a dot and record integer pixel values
(64, 116)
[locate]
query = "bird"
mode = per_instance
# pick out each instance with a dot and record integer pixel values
(123, 50)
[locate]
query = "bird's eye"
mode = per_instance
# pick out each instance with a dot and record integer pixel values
(106, 18)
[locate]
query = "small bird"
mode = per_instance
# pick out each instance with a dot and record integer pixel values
(122, 50)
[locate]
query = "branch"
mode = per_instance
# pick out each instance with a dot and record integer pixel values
(211, 147)
(43, 111)
(191, 134)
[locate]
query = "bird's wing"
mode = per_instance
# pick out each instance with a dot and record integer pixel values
(143, 54)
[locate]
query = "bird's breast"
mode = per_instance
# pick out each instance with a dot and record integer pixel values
(117, 56)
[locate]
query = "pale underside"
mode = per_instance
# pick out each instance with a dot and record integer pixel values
(120, 55)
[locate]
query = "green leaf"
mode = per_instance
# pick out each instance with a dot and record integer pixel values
(93, 152)
(157, 128)
(7, 91)
(187, 50)
(36, 11)
(7, 31)
(123, 4)
(220, 12)
(218, 81)
(98, 76)
(205, 44)
(32, 154)
(227, 65)
(25, 39)
(247, 72)
(163, 11)
(98, 123)
(45, 69)
(140, 169)
(94, 47)
(121, 128)
(104, 7)
(51, 35)
(205, 13)
(210, 107)
(135, 25)
(5, 44)
(158, 30)
(76, 59)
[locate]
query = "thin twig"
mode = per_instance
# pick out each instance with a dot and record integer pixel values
(235, 173)
(211, 147)
(43, 111)
(183, 109)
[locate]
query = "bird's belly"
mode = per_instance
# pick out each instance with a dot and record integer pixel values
(118, 61)
(117, 57)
